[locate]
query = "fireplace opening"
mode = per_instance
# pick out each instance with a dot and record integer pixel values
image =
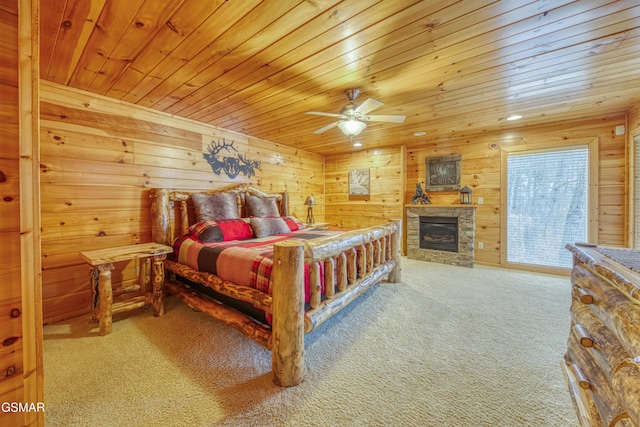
(439, 233)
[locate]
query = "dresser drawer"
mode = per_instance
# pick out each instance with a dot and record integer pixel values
(620, 314)
(603, 345)
(626, 384)
(581, 394)
(608, 403)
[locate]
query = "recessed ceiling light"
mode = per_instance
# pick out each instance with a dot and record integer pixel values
(514, 117)
(357, 144)
(419, 133)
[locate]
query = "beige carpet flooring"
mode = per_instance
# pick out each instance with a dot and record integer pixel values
(450, 346)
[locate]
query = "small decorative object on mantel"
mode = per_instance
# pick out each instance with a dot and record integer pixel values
(420, 197)
(465, 195)
(310, 202)
(232, 166)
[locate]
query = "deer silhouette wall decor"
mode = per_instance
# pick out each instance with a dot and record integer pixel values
(232, 166)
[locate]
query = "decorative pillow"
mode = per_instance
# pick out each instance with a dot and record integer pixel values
(215, 206)
(264, 227)
(222, 230)
(293, 223)
(261, 207)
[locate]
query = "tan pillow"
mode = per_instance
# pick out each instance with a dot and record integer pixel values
(215, 206)
(261, 207)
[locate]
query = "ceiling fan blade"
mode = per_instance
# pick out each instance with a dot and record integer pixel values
(320, 113)
(326, 128)
(369, 105)
(386, 118)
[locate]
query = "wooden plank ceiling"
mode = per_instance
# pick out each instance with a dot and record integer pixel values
(454, 68)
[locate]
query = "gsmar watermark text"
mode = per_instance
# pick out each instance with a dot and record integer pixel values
(22, 407)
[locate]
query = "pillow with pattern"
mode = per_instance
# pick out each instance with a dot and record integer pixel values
(215, 206)
(222, 230)
(293, 223)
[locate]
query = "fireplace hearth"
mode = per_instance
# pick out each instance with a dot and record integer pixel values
(439, 233)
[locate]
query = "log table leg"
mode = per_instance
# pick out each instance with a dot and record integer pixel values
(105, 297)
(158, 285)
(94, 278)
(146, 276)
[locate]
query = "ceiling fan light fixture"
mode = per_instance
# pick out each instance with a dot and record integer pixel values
(351, 127)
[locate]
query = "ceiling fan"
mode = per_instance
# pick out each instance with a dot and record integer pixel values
(353, 118)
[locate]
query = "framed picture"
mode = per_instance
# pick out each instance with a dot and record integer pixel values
(359, 182)
(443, 173)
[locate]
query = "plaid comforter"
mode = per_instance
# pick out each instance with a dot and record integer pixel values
(243, 262)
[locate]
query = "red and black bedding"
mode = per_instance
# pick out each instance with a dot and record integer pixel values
(228, 249)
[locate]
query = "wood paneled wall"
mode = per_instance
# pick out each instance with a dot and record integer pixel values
(481, 172)
(386, 201)
(99, 158)
(21, 374)
(633, 134)
(11, 365)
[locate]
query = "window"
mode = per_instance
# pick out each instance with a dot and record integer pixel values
(547, 205)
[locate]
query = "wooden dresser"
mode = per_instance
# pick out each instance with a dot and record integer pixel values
(602, 362)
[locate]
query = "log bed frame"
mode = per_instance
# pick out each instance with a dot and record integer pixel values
(360, 258)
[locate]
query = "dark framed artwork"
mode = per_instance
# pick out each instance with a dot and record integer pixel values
(359, 182)
(443, 173)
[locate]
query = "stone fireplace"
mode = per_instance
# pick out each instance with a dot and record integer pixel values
(441, 233)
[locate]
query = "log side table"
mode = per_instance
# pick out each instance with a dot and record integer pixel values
(102, 306)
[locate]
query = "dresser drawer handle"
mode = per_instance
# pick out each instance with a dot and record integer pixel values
(582, 336)
(583, 382)
(584, 296)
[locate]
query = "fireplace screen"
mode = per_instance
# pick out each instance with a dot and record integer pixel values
(439, 233)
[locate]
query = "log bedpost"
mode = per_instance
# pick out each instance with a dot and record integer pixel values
(396, 239)
(284, 204)
(160, 216)
(287, 355)
(184, 217)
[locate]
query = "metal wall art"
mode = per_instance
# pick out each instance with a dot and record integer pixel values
(232, 166)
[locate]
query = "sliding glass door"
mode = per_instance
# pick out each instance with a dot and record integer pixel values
(547, 204)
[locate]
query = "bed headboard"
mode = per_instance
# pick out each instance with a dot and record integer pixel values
(172, 212)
